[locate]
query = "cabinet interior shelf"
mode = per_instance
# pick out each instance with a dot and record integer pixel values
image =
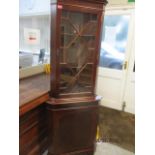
(84, 35)
(89, 48)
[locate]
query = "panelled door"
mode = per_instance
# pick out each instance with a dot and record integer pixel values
(116, 49)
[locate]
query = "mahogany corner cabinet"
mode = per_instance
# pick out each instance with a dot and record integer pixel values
(72, 109)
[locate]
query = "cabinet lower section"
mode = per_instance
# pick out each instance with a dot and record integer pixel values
(72, 127)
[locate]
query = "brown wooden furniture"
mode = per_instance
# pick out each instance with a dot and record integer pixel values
(72, 125)
(32, 111)
(33, 87)
(75, 46)
(73, 106)
(33, 91)
(33, 132)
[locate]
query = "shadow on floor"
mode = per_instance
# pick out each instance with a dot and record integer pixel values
(117, 127)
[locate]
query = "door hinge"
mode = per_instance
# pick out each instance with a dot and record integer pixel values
(123, 106)
(125, 65)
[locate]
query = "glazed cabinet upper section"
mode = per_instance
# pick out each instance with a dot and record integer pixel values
(75, 43)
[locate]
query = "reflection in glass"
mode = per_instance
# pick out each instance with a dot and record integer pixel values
(77, 42)
(114, 40)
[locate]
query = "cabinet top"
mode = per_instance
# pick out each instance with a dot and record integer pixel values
(92, 1)
(97, 1)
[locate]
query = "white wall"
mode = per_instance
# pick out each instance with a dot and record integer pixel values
(35, 22)
(38, 7)
(29, 7)
(118, 2)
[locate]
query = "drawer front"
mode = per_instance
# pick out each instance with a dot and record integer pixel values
(33, 131)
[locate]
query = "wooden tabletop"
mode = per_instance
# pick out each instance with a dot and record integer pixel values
(33, 91)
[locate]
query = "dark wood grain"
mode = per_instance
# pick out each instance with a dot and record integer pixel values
(33, 87)
(72, 126)
(33, 91)
(33, 104)
(81, 152)
(98, 3)
(33, 121)
(33, 131)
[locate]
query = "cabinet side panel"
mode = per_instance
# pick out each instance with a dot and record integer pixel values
(53, 50)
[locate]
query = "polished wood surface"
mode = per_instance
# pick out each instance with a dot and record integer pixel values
(33, 104)
(33, 87)
(81, 152)
(33, 91)
(33, 121)
(33, 131)
(72, 126)
(86, 3)
(66, 101)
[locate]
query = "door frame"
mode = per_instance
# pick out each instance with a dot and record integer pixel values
(128, 56)
(121, 74)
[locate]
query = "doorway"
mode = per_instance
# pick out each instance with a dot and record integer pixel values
(116, 59)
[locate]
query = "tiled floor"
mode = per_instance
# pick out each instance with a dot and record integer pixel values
(109, 149)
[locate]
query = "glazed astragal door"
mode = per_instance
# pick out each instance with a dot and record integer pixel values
(77, 47)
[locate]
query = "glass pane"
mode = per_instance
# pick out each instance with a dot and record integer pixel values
(78, 31)
(114, 41)
(34, 40)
